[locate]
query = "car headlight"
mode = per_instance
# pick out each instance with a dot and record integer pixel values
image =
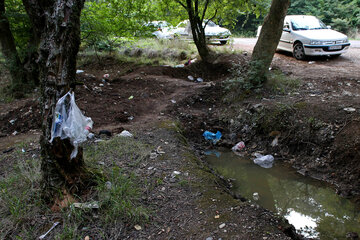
(315, 42)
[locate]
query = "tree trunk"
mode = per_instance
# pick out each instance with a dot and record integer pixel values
(267, 42)
(58, 25)
(30, 62)
(197, 29)
(12, 58)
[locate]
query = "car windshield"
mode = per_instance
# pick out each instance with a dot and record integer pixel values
(210, 23)
(307, 23)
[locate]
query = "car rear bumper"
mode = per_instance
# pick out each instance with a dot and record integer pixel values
(316, 50)
(217, 38)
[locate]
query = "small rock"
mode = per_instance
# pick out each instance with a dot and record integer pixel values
(101, 85)
(209, 238)
(12, 121)
(15, 133)
(222, 225)
(87, 238)
(191, 78)
(199, 80)
(137, 227)
(173, 101)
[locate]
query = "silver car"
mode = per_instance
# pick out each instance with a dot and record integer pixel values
(213, 32)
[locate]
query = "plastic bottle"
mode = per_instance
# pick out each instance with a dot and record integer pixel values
(58, 121)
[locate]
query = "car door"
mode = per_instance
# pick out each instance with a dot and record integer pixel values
(286, 40)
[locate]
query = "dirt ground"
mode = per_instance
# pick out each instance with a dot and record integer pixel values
(318, 136)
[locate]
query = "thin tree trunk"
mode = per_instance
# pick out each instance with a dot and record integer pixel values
(268, 40)
(197, 29)
(58, 25)
(30, 62)
(12, 58)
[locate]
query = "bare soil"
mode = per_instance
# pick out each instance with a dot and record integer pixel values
(318, 136)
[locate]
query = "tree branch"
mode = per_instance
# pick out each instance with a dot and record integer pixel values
(196, 7)
(182, 4)
(205, 9)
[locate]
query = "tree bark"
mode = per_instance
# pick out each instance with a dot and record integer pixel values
(197, 28)
(57, 22)
(12, 58)
(267, 42)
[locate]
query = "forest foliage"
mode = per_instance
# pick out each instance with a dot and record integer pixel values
(103, 22)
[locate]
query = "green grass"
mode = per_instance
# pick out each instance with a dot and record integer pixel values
(23, 215)
(280, 83)
(19, 193)
(149, 51)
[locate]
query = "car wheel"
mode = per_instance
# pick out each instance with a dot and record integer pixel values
(223, 42)
(298, 51)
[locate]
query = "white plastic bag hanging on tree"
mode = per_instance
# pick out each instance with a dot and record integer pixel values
(69, 122)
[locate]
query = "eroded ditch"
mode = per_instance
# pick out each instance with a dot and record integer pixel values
(312, 206)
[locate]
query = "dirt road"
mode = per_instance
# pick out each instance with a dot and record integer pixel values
(347, 65)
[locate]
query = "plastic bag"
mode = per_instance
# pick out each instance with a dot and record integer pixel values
(238, 147)
(264, 161)
(69, 122)
(213, 137)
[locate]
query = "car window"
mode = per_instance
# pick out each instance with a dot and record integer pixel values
(286, 25)
(307, 23)
(211, 24)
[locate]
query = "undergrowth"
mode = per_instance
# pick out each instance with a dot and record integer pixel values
(239, 85)
(23, 215)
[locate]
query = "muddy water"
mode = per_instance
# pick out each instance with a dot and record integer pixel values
(311, 206)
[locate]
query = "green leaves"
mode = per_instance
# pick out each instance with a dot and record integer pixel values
(342, 15)
(105, 21)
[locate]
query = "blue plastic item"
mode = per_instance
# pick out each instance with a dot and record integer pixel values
(213, 137)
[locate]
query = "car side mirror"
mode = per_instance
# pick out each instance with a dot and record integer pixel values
(328, 27)
(286, 30)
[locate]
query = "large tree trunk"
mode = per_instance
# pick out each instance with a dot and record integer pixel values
(12, 58)
(267, 42)
(58, 25)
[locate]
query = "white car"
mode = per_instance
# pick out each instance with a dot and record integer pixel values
(213, 32)
(163, 29)
(308, 36)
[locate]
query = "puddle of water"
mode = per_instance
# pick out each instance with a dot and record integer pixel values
(310, 205)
